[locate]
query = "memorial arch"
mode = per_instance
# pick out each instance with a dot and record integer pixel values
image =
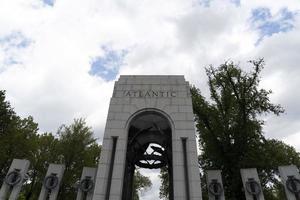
(150, 124)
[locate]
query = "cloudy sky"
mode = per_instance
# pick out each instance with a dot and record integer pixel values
(59, 59)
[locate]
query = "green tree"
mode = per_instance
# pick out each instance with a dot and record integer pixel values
(77, 148)
(45, 152)
(230, 127)
(17, 136)
(164, 186)
(140, 183)
(275, 153)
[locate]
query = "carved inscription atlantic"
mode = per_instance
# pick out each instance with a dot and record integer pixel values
(149, 93)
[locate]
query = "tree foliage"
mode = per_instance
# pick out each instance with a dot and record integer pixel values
(44, 153)
(164, 187)
(76, 148)
(17, 136)
(140, 184)
(230, 127)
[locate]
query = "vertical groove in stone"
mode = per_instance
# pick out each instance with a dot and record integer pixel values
(111, 166)
(186, 174)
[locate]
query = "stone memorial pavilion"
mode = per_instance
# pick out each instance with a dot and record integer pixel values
(149, 112)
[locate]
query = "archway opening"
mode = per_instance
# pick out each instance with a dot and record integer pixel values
(149, 147)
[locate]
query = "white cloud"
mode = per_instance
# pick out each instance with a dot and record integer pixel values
(281, 75)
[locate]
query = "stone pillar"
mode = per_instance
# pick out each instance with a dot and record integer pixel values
(251, 183)
(86, 184)
(14, 179)
(215, 185)
(168, 95)
(291, 180)
(52, 182)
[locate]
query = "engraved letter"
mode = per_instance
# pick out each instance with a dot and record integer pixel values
(147, 94)
(154, 93)
(134, 93)
(161, 93)
(127, 93)
(140, 93)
